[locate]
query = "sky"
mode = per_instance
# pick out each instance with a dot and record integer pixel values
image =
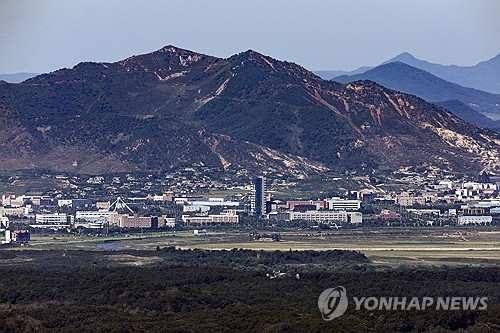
(41, 36)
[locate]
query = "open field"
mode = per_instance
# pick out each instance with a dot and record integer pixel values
(388, 246)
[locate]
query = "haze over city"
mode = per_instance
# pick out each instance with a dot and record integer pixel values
(43, 36)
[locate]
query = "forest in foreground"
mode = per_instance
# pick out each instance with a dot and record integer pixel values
(192, 291)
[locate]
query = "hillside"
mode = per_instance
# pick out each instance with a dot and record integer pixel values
(470, 115)
(250, 112)
(403, 77)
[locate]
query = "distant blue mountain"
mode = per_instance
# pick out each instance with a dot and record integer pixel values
(483, 76)
(17, 77)
(402, 77)
(328, 75)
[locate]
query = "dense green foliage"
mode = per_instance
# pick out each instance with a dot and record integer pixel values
(174, 298)
(289, 261)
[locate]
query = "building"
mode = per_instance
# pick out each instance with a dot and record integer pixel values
(4, 222)
(420, 212)
(297, 205)
(337, 203)
(104, 205)
(388, 215)
(136, 221)
(195, 209)
(74, 202)
(223, 218)
(220, 202)
(19, 211)
(471, 210)
(21, 236)
(258, 201)
(93, 219)
(53, 221)
(94, 216)
(16, 236)
(328, 216)
(168, 222)
(463, 220)
(11, 200)
(409, 199)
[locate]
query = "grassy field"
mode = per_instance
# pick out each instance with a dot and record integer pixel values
(388, 246)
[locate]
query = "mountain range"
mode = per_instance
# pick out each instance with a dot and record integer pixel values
(409, 79)
(249, 113)
(482, 76)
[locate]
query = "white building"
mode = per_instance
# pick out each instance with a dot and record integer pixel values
(480, 186)
(195, 208)
(94, 216)
(168, 222)
(65, 202)
(474, 219)
(436, 212)
(211, 202)
(53, 221)
(210, 219)
(337, 203)
(103, 205)
(328, 216)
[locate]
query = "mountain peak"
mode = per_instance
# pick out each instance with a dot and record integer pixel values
(403, 57)
(252, 54)
(169, 48)
(172, 49)
(168, 58)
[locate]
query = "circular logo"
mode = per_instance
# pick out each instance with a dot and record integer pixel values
(332, 303)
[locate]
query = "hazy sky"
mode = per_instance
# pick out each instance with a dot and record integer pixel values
(45, 35)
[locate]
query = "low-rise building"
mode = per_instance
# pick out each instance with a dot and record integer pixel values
(168, 222)
(222, 218)
(409, 199)
(16, 236)
(474, 219)
(136, 221)
(104, 205)
(53, 221)
(94, 216)
(339, 204)
(195, 209)
(318, 204)
(471, 210)
(4, 222)
(328, 216)
(73, 202)
(18, 211)
(435, 212)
